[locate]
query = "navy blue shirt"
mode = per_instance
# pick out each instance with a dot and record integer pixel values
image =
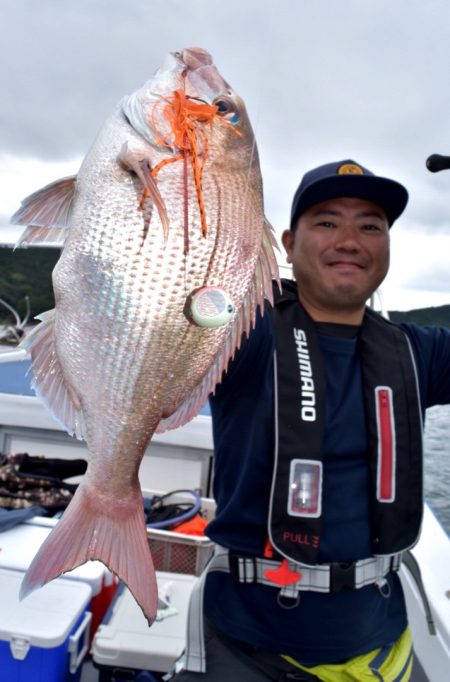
(323, 628)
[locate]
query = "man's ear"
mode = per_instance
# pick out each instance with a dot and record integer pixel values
(287, 239)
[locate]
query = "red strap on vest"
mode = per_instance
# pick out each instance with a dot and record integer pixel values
(386, 447)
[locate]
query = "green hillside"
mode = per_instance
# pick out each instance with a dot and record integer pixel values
(438, 316)
(26, 272)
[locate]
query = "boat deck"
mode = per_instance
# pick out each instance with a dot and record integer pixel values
(91, 674)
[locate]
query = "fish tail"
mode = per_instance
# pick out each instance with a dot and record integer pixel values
(115, 535)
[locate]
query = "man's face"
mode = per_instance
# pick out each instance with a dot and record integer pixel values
(340, 254)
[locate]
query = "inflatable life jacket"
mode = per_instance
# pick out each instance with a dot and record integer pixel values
(394, 419)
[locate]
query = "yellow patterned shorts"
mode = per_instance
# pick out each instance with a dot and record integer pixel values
(388, 664)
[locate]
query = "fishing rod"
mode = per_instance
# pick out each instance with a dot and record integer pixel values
(437, 162)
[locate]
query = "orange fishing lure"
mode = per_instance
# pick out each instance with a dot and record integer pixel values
(187, 118)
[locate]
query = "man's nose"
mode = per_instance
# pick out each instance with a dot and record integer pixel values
(347, 238)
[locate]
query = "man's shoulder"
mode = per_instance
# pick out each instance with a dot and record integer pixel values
(423, 335)
(431, 348)
(426, 335)
(287, 292)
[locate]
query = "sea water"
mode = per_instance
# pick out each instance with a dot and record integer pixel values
(437, 462)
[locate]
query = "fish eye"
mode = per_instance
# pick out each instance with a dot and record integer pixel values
(223, 106)
(226, 109)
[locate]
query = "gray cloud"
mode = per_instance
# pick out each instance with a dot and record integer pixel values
(66, 65)
(321, 80)
(437, 282)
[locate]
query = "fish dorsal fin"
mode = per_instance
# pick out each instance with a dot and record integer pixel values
(49, 381)
(46, 213)
(260, 288)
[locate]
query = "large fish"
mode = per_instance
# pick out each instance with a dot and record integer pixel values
(165, 216)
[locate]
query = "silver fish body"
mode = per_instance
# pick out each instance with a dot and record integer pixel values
(119, 357)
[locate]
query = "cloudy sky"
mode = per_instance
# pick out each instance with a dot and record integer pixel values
(322, 81)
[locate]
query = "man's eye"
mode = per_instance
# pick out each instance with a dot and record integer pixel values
(371, 228)
(326, 223)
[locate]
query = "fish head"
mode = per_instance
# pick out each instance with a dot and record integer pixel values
(188, 86)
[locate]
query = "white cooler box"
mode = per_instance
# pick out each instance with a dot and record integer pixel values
(44, 638)
(125, 642)
(19, 545)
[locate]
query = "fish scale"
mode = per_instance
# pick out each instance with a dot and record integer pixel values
(119, 358)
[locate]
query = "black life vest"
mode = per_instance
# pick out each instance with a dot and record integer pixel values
(394, 422)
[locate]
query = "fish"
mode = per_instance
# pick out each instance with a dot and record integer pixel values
(165, 212)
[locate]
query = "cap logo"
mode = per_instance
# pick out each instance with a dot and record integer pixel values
(350, 169)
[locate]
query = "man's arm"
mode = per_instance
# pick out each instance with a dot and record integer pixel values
(431, 346)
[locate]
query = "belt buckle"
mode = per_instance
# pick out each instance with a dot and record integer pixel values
(238, 567)
(342, 576)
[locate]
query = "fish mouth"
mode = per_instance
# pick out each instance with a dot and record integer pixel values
(193, 57)
(196, 65)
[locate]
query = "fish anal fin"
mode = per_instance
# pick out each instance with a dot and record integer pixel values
(113, 533)
(46, 213)
(188, 410)
(49, 380)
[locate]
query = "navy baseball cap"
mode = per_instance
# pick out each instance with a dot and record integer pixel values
(348, 179)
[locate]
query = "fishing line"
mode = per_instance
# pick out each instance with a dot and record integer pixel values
(262, 70)
(186, 205)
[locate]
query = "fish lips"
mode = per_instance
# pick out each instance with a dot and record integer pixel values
(201, 74)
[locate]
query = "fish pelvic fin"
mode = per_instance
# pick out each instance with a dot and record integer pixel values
(114, 534)
(139, 162)
(261, 288)
(49, 381)
(46, 213)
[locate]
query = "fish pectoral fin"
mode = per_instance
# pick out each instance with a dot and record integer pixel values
(49, 381)
(112, 532)
(139, 162)
(46, 213)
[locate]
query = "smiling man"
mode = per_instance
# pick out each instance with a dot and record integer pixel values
(340, 255)
(339, 245)
(318, 457)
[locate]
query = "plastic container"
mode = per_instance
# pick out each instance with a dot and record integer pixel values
(45, 637)
(19, 545)
(125, 645)
(179, 552)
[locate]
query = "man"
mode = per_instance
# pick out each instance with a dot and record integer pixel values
(318, 456)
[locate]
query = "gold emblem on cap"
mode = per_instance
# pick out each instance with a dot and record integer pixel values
(350, 169)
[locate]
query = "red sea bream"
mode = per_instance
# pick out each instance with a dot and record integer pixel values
(167, 202)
